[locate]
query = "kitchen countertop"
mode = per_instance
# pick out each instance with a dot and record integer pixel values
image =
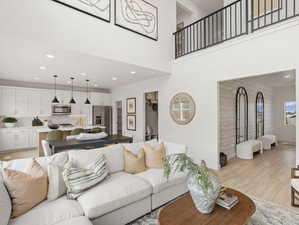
(42, 129)
(47, 129)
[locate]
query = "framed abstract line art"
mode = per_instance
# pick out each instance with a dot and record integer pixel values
(131, 106)
(100, 9)
(137, 16)
(131, 122)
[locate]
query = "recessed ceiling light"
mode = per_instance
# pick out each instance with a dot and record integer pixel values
(133, 72)
(83, 74)
(43, 68)
(96, 85)
(114, 78)
(36, 78)
(50, 56)
(287, 76)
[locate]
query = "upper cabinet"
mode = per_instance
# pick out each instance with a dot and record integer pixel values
(46, 97)
(8, 98)
(100, 98)
(21, 102)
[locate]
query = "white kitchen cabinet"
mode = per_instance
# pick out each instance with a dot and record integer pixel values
(22, 106)
(101, 99)
(78, 108)
(32, 138)
(7, 139)
(21, 138)
(62, 97)
(46, 97)
(34, 106)
(87, 111)
(7, 101)
(17, 138)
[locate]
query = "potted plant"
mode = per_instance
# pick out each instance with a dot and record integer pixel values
(203, 185)
(9, 122)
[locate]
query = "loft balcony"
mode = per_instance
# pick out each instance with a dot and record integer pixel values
(239, 18)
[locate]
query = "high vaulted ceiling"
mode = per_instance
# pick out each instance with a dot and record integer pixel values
(27, 61)
(209, 5)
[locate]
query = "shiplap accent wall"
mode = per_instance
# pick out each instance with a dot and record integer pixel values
(227, 95)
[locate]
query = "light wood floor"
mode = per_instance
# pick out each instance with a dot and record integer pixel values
(265, 177)
(6, 156)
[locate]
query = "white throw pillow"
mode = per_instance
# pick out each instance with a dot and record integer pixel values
(57, 186)
(5, 203)
(87, 136)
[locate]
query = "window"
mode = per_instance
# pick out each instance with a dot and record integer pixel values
(290, 113)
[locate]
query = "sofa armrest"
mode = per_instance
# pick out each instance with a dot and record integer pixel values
(294, 174)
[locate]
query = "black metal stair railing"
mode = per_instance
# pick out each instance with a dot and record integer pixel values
(232, 21)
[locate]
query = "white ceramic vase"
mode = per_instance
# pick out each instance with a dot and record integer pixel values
(9, 125)
(204, 202)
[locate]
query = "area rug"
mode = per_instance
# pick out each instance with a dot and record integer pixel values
(267, 213)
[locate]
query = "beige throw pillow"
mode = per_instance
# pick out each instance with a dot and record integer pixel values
(134, 163)
(26, 189)
(154, 156)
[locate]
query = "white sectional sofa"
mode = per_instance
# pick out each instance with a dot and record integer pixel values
(118, 200)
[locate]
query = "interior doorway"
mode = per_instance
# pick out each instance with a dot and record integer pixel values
(119, 119)
(151, 116)
(257, 115)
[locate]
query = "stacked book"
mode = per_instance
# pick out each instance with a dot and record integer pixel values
(227, 200)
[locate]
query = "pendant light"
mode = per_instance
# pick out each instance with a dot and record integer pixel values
(72, 101)
(87, 102)
(55, 100)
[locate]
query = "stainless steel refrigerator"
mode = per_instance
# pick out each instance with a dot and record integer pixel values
(102, 115)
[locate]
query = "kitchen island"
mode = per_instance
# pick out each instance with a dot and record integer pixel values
(59, 146)
(42, 134)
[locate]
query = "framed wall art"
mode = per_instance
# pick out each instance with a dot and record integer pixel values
(131, 122)
(100, 9)
(131, 106)
(182, 108)
(137, 16)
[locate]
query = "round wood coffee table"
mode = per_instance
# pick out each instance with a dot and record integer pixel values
(183, 212)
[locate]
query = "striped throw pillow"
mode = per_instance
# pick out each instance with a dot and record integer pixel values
(78, 180)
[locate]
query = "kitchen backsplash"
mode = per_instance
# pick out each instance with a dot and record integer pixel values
(27, 121)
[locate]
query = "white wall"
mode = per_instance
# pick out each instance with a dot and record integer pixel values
(199, 73)
(59, 26)
(227, 113)
(280, 96)
(194, 12)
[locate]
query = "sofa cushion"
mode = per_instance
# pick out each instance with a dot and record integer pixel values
(5, 203)
(50, 213)
(56, 187)
(134, 163)
(26, 189)
(154, 156)
(79, 180)
(113, 153)
(134, 147)
(156, 178)
(59, 159)
(170, 148)
(116, 191)
(81, 220)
